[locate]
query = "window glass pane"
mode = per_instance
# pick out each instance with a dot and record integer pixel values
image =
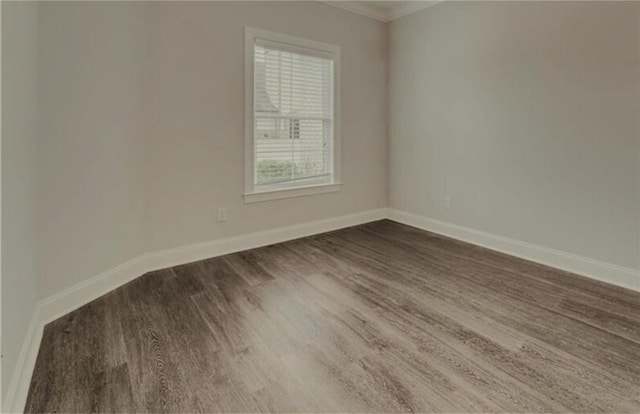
(293, 117)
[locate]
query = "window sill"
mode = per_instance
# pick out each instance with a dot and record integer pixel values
(291, 192)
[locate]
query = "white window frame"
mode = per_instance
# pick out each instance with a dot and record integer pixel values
(274, 192)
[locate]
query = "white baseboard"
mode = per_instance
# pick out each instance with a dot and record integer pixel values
(21, 378)
(602, 271)
(70, 299)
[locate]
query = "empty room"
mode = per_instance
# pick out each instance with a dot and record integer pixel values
(320, 206)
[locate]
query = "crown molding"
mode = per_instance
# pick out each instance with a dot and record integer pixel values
(362, 9)
(406, 9)
(367, 10)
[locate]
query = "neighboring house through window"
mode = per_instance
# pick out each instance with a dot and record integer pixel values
(292, 120)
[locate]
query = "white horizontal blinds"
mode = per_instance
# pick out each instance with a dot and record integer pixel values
(293, 115)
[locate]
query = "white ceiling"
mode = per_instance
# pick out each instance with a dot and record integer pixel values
(385, 11)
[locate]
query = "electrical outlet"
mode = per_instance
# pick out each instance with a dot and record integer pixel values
(223, 214)
(447, 201)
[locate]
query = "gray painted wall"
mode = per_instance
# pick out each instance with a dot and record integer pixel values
(19, 182)
(527, 115)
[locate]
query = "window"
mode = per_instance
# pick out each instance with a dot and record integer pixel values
(292, 119)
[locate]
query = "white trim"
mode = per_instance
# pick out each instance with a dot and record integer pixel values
(363, 9)
(594, 269)
(386, 16)
(70, 299)
(249, 38)
(291, 192)
(76, 296)
(21, 378)
(251, 35)
(292, 47)
(406, 9)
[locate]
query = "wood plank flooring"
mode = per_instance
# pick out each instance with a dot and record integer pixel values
(376, 318)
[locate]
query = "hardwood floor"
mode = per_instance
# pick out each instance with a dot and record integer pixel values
(375, 318)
